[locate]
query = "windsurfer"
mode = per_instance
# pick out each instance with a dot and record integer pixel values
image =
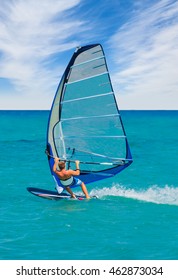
(66, 177)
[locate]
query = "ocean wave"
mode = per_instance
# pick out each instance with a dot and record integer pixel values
(155, 194)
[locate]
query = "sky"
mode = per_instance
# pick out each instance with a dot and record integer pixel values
(140, 40)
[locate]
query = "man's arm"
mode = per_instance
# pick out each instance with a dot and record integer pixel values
(56, 160)
(77, 171)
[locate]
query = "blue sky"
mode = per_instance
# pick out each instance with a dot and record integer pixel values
(140, 39)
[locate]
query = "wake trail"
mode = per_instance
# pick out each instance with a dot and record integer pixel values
(155, 194)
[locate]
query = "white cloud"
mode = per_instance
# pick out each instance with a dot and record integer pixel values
(147, 58)
(31, 32)
(34, 36)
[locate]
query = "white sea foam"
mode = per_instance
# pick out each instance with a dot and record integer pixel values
(155, 194)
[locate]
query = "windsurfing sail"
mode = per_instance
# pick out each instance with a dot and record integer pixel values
(85, 122)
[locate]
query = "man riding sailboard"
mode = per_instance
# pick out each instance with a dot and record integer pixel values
(67, 178)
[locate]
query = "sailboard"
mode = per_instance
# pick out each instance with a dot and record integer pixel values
(85, 122)
(54, 195)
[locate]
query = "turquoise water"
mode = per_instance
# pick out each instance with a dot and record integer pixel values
(135, 216)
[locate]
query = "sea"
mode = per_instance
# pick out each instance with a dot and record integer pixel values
(134, 218)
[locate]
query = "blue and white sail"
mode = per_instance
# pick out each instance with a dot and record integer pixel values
(85, 122)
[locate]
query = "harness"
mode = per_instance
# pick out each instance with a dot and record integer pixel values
(68, 182)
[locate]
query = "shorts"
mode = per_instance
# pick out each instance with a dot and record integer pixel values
(76, 182)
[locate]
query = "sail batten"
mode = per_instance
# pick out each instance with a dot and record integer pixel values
(94, 136)
(94, 76)
(89, 117)
(88, 97)
(85, 116)
(79, 64)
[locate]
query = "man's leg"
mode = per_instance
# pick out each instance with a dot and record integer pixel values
(68, 189)
(84, 189)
